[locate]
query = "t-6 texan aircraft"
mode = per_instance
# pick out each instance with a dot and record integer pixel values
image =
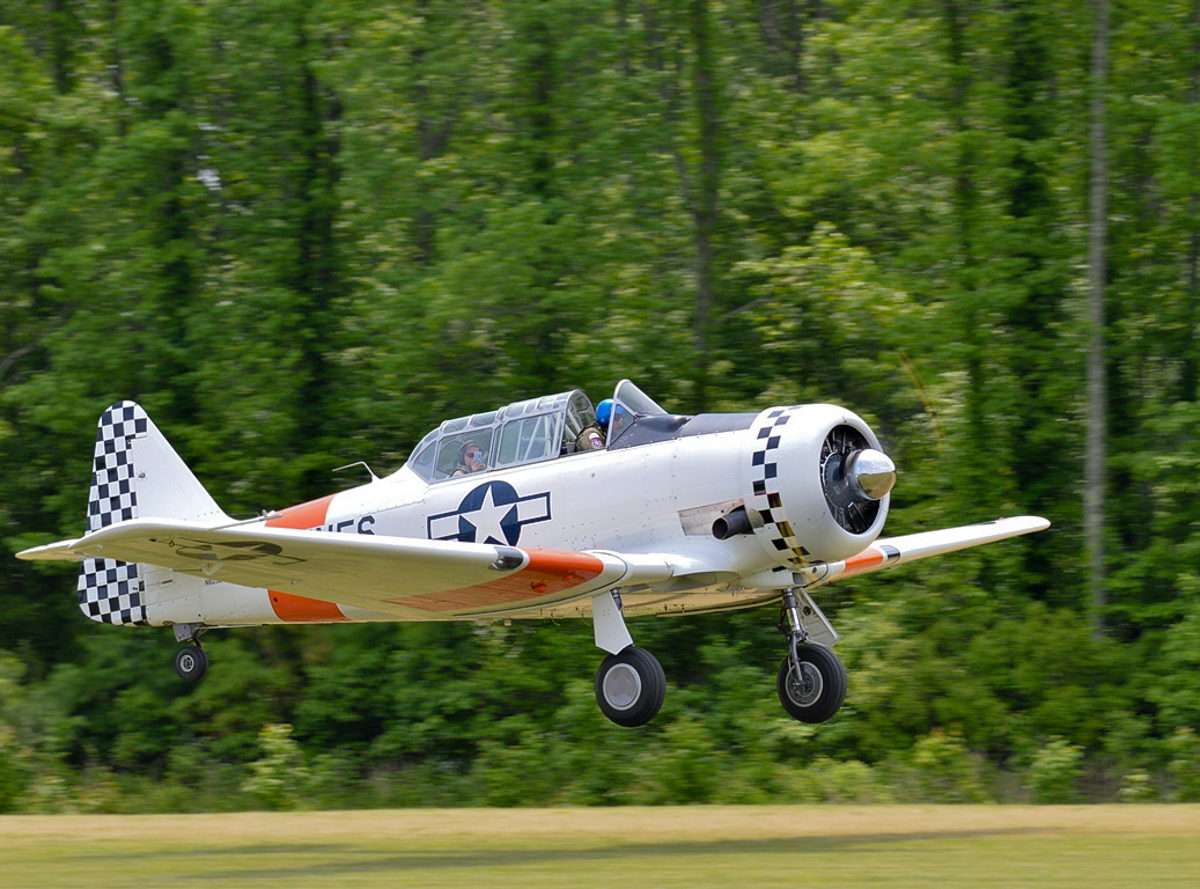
(546, 508)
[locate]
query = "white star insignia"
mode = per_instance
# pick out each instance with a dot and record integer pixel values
(487, 519)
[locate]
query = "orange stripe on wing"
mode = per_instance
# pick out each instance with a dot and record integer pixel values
(301, 609)
(864, 561)
(548, 572)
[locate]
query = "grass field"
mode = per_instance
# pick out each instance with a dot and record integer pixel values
(1132, 847)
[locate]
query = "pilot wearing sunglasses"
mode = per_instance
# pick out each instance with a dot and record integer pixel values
(470, 459)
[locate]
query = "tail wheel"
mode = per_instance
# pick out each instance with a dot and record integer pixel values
(191, 663)
(630, 686)
(817, 691)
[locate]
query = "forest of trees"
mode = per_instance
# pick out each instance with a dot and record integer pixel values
(303, 232)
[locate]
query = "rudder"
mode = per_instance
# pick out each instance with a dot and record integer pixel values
(135, 472)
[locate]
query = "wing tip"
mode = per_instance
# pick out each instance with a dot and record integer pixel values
(1030, 523)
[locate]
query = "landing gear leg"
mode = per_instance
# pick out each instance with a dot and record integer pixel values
(630, 685)
(191, 662)
(812, 679)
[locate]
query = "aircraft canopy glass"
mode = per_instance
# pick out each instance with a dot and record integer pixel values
(522, 432)
(629, 404)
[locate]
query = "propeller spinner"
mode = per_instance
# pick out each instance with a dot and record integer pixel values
(855, 477)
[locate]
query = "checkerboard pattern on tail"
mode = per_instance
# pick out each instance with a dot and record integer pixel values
(111, 591)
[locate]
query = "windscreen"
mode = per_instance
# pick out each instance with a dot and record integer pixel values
(629, 403)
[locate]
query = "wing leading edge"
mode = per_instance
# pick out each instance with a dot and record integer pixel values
(888, 552)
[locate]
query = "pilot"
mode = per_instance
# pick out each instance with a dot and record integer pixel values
(607, 414)
(604, 413)
(470, 459)
(592, 436)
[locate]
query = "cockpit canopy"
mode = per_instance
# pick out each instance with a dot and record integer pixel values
(523, 432)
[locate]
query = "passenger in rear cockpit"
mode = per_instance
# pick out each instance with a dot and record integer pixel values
(470, 459)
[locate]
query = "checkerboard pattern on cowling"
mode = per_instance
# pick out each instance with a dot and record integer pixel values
(768, 431)
(110, 591)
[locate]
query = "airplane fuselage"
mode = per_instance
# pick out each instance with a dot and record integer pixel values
(659, 497)
(660, 491)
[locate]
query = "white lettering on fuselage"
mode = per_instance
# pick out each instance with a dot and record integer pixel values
(361, 525)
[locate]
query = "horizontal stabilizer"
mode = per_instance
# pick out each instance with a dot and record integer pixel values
(60, 551)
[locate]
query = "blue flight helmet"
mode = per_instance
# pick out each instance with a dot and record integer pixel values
(604, 411)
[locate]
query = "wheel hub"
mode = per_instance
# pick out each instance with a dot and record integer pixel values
(622, 687)
(805, 689)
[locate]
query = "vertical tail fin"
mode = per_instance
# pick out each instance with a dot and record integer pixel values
(135, 472)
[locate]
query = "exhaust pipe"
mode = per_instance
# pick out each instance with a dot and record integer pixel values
(734, 522)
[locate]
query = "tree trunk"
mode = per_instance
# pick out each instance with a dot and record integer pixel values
(704, 210)
(1094, 499)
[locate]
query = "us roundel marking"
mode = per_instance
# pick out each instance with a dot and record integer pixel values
(491, 513)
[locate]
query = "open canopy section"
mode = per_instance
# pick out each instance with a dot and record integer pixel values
(629, 405)
(523, 432)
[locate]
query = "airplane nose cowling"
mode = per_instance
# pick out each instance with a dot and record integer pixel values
(817, 482)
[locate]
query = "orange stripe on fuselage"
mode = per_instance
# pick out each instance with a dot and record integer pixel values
(549, 571)
(305, 515)
(301, 609)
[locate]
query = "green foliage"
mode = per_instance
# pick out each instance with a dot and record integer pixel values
(1138, 787)
(850, 783)
(941, 769)
(1184, 766)
(1177, 691)
(303, 232)
(1054, 773)
(15, 765)
(279, 779)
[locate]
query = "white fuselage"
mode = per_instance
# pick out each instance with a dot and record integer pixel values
(660, 497)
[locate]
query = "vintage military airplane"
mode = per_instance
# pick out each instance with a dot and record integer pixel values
(502, 515)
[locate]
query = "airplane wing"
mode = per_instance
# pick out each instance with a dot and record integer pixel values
(408, 577)
(888, 552)
(392, 575)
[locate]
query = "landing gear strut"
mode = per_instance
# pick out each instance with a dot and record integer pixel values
(630, 685)
(812, 679)
(191, 662)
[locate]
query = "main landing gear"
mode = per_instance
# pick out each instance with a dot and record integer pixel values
(812, 679)
(630, 684)
(191, 661)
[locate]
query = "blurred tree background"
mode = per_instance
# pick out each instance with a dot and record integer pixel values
(303, 232)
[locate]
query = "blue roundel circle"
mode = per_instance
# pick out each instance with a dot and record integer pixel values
(493, 513)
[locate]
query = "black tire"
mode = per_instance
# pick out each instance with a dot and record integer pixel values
(191, 663)
(821, 689)
(630, 687)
